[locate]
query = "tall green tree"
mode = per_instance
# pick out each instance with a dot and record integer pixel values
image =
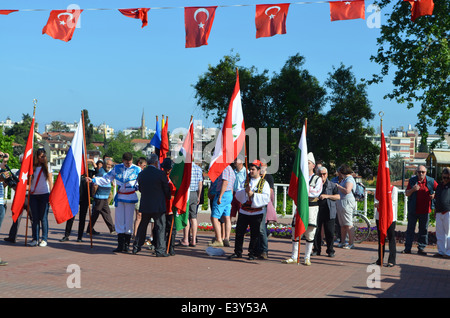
(419, 55)
(346, 125)
(295, 95)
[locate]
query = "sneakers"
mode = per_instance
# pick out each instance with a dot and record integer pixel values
(349, 247)
(35, 243)
(307, 262)
(226, 243)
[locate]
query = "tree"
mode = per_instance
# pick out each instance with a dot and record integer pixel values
(215, 87)
(117, 146)
(58, 126)
(343, 136)
(419, 52)
(295, 95)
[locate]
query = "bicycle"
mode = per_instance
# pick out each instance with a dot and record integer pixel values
(361, 225)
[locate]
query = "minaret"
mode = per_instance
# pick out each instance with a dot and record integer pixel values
(143, 125)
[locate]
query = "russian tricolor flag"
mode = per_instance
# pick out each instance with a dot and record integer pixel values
(65, 195)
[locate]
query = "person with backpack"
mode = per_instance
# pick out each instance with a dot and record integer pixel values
(346, 205)
(420, 193)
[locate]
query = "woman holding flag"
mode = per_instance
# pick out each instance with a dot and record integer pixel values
(40, 187)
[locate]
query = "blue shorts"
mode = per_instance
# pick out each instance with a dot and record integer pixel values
(224, 208)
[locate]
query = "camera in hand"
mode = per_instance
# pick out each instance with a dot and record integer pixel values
(12, 180)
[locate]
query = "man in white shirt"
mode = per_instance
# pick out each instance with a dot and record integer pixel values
(254, 198)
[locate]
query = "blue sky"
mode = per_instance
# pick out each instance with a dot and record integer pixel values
(116, 70)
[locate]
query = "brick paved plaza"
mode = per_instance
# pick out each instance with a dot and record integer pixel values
(41, 272)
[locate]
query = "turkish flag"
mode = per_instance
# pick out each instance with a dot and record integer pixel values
(61, 24)
(138, 13)
(6, 12)
(420, 8)
(383, 192)
(270, 19)
(26, 171)
(198, 22)
(347, 10)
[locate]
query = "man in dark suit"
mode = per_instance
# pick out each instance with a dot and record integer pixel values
(154, 189)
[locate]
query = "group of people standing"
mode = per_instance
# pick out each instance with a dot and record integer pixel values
(145, 194)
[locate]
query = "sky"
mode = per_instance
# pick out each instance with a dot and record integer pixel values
(116, 70)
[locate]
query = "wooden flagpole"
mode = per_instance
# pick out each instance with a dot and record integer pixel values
(87, 175)
(298, 255)
(29, 181)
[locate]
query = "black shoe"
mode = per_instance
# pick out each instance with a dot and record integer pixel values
(332, 254)
(162, 254)
(10, 240)
(406, 252)
(64, 239)
(120, 243)
(251, 257)
(232, 256)
(421, 252)
(136, 249)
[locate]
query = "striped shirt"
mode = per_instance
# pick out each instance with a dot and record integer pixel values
(2, 193)
(229, 175)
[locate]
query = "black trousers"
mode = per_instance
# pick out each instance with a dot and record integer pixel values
(81, 221)
(170, 237)
(323, 219)
(243, 221)
(392, 245)
(101, 207)
(159, 231)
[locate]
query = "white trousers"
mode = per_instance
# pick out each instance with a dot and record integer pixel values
(124, 218)
(443, 233)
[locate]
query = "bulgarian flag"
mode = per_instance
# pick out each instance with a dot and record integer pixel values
(181, 178)
(298, 186)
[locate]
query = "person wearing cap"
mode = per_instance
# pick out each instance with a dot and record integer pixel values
(155, 190)
(254, 198)
(315, 189)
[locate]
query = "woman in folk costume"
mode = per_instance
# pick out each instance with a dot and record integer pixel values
(315, 189)
(125, 175)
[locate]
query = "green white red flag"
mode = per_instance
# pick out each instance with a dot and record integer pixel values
(299, 186)
(181, 178)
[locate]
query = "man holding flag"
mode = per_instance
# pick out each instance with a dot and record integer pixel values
(305, 188)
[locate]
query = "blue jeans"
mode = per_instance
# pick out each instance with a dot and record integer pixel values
(2, 214)
(423, 230)
(39, 211)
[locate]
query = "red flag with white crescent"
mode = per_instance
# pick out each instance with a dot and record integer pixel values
(270, 19)
(198, 22)
(137, 13)
(61, 24)
(26, 170)
(347, 10)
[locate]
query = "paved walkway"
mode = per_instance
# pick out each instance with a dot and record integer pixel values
(45, 271)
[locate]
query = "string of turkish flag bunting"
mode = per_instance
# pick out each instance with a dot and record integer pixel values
(270, 19)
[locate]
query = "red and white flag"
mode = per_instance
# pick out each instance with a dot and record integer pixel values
(61, 24)
(26, 171)
(420, 8)
(198, 22)
(6, 12)
(270, 19)
(137, 13)
(231, 138)
(347, 10)
(383, 192)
